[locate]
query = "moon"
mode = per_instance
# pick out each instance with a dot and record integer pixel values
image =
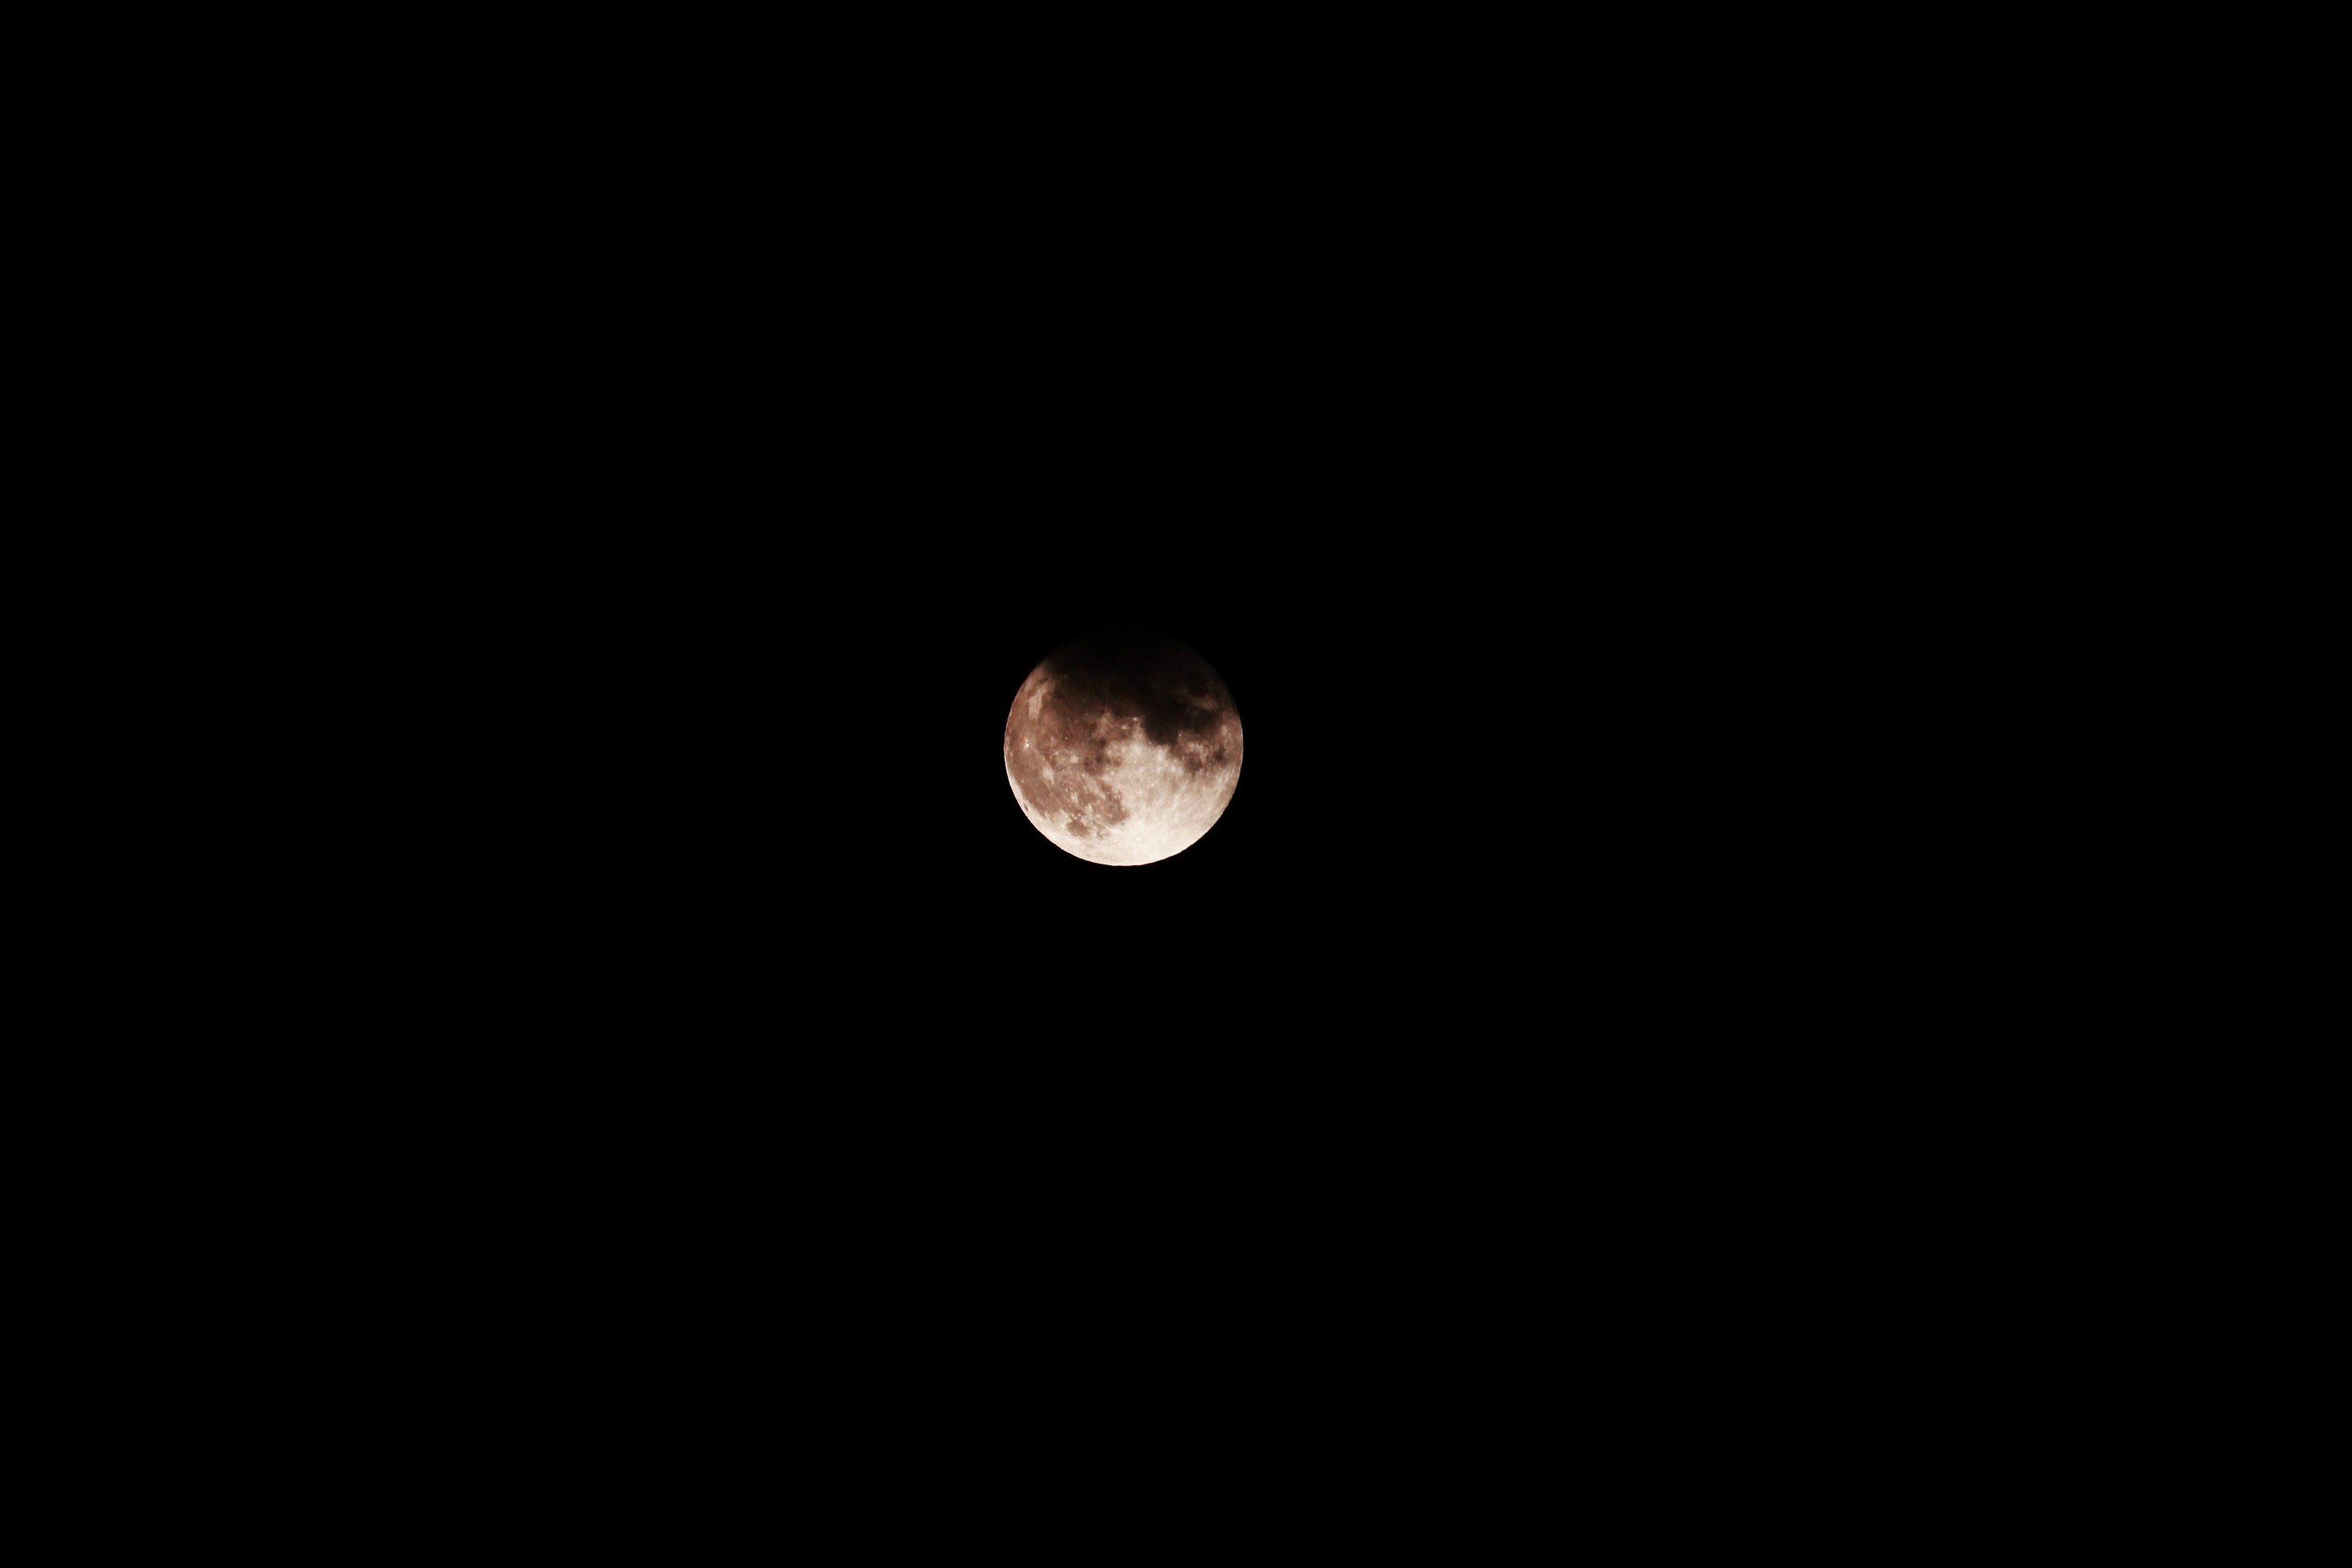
(1123, 750)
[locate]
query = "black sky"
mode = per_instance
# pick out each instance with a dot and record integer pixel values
(1470, 479)
(730, 432)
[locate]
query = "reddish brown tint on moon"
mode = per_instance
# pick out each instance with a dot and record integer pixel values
(1123, 750)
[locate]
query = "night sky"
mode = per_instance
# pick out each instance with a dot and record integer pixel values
(726, 933)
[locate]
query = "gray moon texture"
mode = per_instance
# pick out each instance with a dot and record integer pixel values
(1123, 750)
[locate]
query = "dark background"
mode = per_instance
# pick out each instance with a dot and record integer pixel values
(647, 1014)
(735, 487)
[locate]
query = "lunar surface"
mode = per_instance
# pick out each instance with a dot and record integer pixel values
(1123, 750)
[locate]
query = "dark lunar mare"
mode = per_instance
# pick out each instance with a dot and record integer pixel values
(1139, 676)
(1133, 675)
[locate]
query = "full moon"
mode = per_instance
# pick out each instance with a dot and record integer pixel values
(1123, 750)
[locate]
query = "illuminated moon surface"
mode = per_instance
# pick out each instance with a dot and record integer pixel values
(1123, 750)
